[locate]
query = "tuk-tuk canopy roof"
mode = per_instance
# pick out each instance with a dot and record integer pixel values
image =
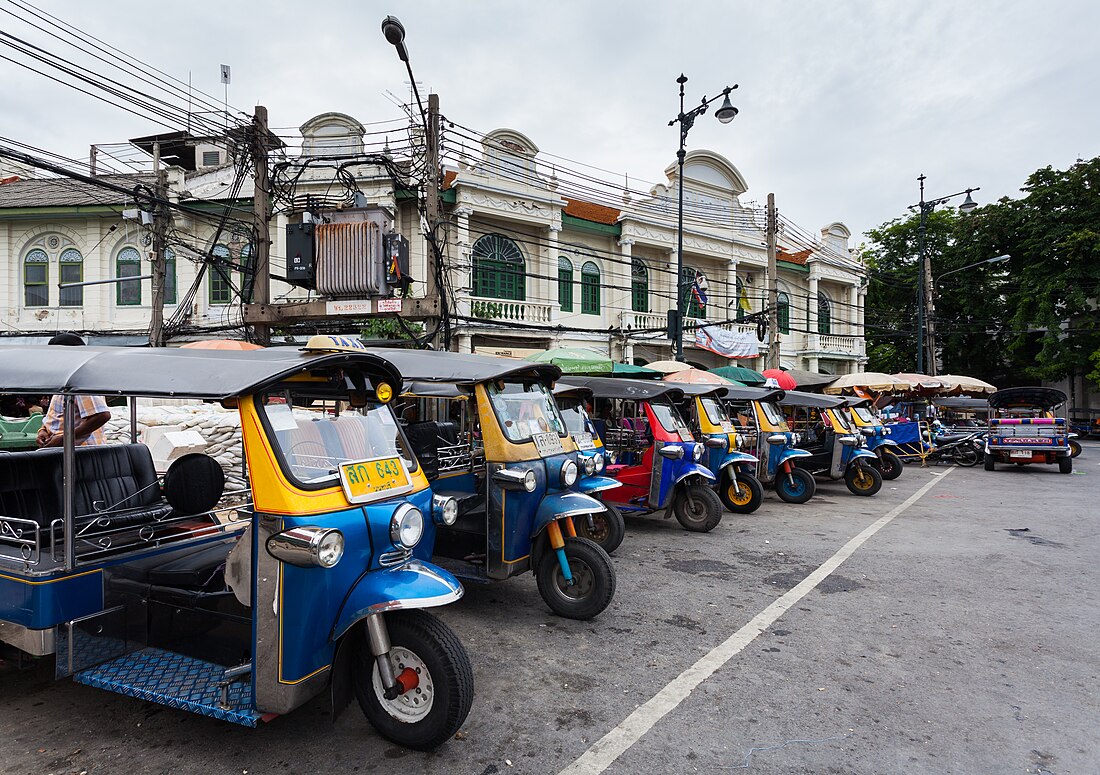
(694, 389)
(1042, 397)
(572, 391)
(437, 390)
(170, 372)
(858, 401)
(771, 395)
(812, 400)
(463, 368)
(631, 389)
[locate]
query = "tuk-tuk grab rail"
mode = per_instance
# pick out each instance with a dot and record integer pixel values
(12, 533)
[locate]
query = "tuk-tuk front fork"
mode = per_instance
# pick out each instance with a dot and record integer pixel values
(788, 468)
(379, 640)
(553, 531)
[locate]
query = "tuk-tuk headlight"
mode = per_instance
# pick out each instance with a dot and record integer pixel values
(569, 473)
(529, 481)
(850, 441)
(867, 432)
(406, 526)
(598, 462)
(516, 479)
(307, 546)
(444, 509)
(885, 431)
(671, 451)
(777, 438)
(697, 452)
(590, 465)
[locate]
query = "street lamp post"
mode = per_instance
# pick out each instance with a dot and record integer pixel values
(924, 271)
(726, 113)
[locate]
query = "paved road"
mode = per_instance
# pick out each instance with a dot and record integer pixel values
(959, 638)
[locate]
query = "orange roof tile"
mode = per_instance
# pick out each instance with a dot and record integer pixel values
(591, 212)
(798, 257)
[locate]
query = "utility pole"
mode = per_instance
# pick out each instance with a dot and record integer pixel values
(261, 250)
(773, 287)
(160, 244)
(433, 214)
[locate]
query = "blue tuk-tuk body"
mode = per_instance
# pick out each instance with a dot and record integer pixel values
(876, 436)
(1023, 429)
(837, 450)
(241, 606)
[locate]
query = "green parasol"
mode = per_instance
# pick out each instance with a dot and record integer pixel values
(634, 372)
(574, 360)
(740, 374)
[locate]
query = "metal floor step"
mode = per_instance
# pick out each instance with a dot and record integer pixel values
(174, 680)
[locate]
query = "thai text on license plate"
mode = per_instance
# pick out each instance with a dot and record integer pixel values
(584, 441)
(369, 480)
(548, 444)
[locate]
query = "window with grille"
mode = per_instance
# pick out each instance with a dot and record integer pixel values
(220, 287)
(639, 286)
(783, 302)
(499, 269)
(824, 314)
(692, 304)
(36, 279)
(71, 266)
(565, 284)
(128, 264)
(590, 289)
(211, 158)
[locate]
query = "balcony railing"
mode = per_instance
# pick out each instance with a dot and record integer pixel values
(657, 323)
(510, 311)
(833, 344)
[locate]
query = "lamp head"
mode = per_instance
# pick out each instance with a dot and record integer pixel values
(998, 259)
(394, 31)
(968, 204)
(727, 112)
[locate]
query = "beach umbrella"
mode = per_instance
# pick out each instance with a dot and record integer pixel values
(633, 372)
(921, 383)
(574, 360)
(221, 344)
(668, 367)
(782, 378)
(869, 380)
(742, 374)
(699, 377)
(959, 385)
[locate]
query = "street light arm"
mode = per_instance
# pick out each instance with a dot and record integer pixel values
(994, 260)
(930, 203)
(688, 118)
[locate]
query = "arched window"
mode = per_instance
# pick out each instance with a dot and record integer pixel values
(71, 266)
(783, 303)
(128, 264)
(36, 279)
(221, 290)
(499, 269)
(169, 276)
(565, 284)
(639, 286)
(693, 305)
(590, 289)
(248, 272)
(824, 314)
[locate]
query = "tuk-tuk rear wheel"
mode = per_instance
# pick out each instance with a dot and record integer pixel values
(697, 508)
(593, 580)
(428, 715)
(607, 529)
(1065, 464)
(890, 464)
(741, 495)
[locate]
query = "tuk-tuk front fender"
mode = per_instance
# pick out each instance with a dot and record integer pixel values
(597, 483)
(415, 584)
(788, 454)
(738, 458)
(859, 454)
(565, 504)
(694, 469)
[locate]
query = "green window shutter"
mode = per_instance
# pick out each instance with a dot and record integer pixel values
(500, 271)
(36, 279)
(824, 314)
(220, 289)
(692, 307)
(639, 286)
(169, 276)
(590, 289)
(784, 313)
(128, 264)
(565, 284)
(71, 265)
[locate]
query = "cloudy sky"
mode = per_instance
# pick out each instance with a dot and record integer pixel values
(842, 104)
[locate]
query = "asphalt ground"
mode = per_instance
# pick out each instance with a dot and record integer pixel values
(961, 637)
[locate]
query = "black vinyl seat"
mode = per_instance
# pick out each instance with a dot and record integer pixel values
(192, 568)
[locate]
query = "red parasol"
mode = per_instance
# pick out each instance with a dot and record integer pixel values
(785, 380)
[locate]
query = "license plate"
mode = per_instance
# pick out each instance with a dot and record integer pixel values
(584, 441)
(548, 444)
(1020, 453)
(368, 480)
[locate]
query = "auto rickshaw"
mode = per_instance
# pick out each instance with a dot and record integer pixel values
(510, 469)
(239, 606)
(1024, 429)
(654, 453)
(836, 448)
(877, 435)
(764, 432)
(607, 528)
(738, 487)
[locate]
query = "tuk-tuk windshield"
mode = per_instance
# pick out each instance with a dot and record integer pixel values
(574, 415)
(716, 413)
(863, 413)
(773, 414)
(841, 421)
(668, 416)
(524, 410)
(314, 443)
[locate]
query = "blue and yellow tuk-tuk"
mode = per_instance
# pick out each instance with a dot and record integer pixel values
(239, 606)
(737, 485)
(1023, 429)
(836, 448)
(510, 470)
(877, 435)
(654, 453)
(763, 428)
(607, 528)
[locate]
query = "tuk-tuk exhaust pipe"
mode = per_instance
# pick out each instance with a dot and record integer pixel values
(379, 641)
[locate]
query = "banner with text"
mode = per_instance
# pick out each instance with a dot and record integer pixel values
(731, 344)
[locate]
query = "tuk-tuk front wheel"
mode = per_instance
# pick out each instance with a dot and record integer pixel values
(593, 582)
(697, 507)
(798, 486)
(605, 529)
(433, 667)
(741, 494)
(890, 464)
(863, 480)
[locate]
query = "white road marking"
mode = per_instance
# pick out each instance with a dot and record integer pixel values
(603, 753)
